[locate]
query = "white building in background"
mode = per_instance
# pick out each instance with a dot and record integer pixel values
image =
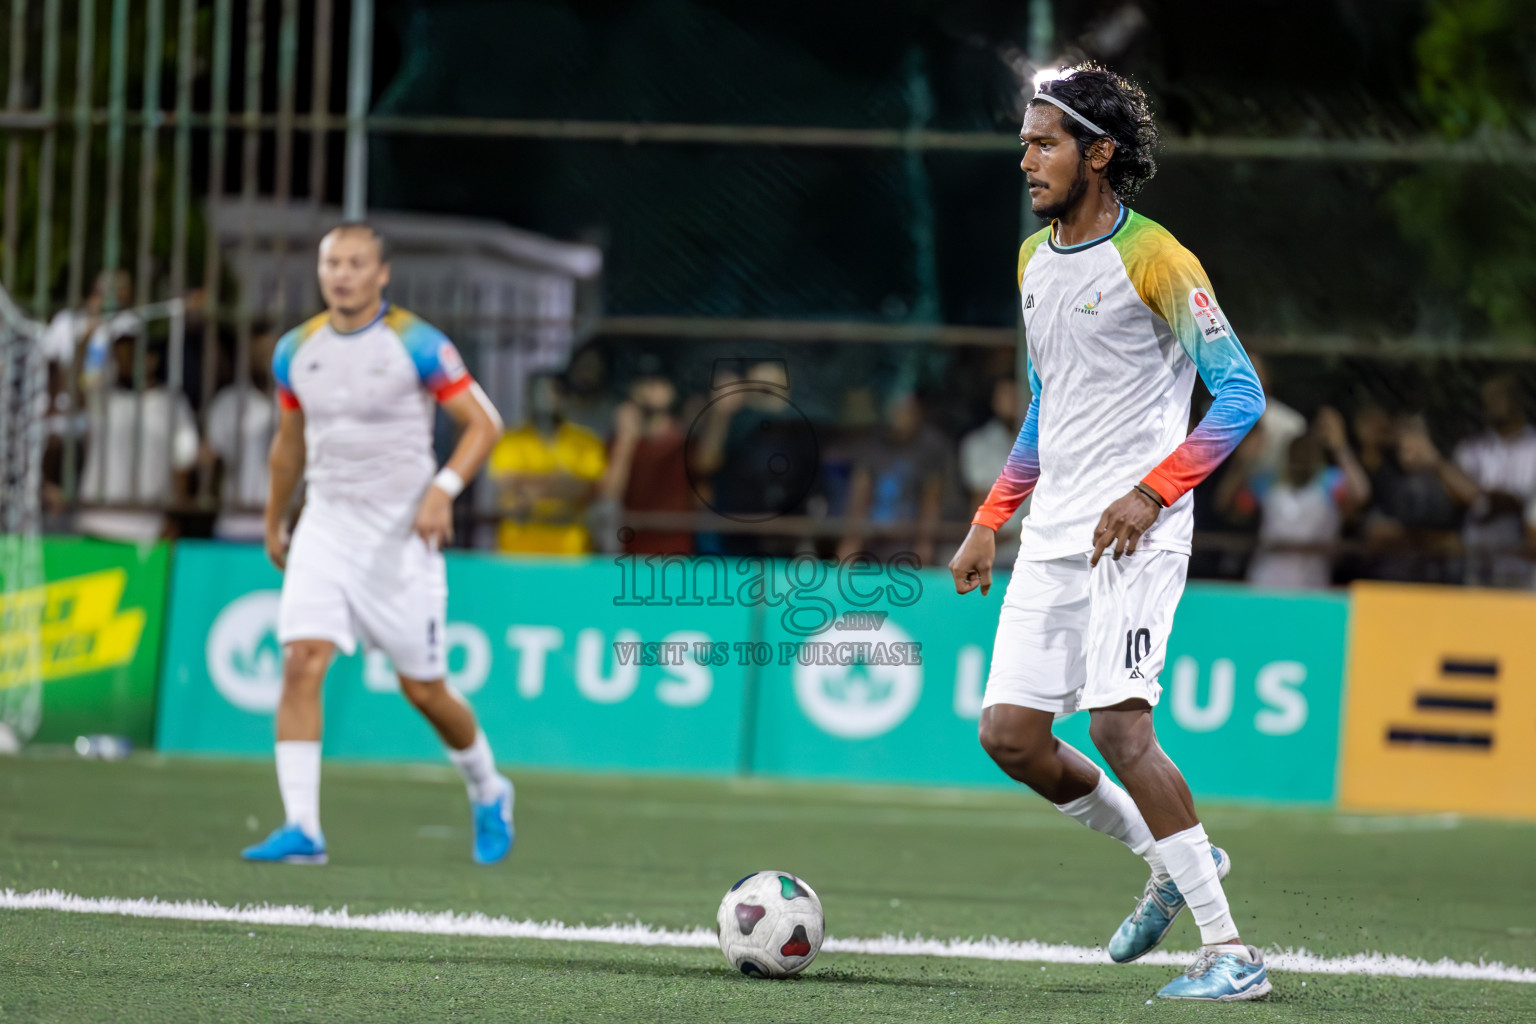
(513, 301)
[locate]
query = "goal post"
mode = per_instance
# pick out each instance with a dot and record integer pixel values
(23, 406)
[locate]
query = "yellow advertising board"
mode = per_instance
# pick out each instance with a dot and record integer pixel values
(77, 622)
(1441, 706)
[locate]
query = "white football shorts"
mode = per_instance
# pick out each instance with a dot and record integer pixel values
(1073, 638)
(391, 595)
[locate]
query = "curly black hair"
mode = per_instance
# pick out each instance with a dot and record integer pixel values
(1120, 107)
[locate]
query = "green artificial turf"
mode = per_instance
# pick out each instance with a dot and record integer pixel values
(602, 849)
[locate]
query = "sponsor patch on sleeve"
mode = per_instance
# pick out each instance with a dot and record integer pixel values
(450, 364)
(1207, 315)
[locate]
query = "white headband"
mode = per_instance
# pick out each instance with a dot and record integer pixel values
(1079, 117)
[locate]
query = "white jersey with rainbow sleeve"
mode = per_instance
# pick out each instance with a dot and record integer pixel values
(368, 398)
(1117, 329)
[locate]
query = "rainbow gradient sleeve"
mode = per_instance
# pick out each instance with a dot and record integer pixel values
(1020, 472)
(438, 364)
(282, 359)
(1171, 281)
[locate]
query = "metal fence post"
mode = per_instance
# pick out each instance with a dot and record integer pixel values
(13, 142)
(359, 88)
(41, 286)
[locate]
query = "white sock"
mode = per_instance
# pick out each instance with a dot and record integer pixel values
(1110, 809)
(298, 780)
(478, 769)
(1236, 948)
(1188, 856)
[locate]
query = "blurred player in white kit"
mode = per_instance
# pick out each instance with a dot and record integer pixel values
(356, 388)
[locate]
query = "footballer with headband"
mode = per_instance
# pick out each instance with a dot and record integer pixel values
(1119, 318)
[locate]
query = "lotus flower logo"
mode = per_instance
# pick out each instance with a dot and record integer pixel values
(242, 653)
(860, 701)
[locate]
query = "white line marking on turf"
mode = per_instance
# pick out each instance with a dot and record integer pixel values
(1371, 824)
(1297, 961)
(440, 832)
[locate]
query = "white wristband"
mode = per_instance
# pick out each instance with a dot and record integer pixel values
(449, 482)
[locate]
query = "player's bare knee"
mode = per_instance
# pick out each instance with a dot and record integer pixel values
(304, 666)
(1008, 746)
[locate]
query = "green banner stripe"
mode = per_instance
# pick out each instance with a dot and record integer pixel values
(695, 666)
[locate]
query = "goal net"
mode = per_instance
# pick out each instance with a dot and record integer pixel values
(23, 404)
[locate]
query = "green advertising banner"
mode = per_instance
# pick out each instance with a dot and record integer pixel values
(566, 665)
(794, 668)
(99, 621)
(1250, 703)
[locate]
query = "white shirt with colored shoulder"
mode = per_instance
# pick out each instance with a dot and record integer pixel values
(368, 398)
(1117, 330)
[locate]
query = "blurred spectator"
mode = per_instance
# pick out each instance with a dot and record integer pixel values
(81, 339)
(899, 478)
(982, 454)
(1411, 526)
(1277, 427)
(1501, 467)
(647, 468)
(1302, 510)
(760, 456)
(545, 473)
(1376, 435)
(587, 402)
(858, 416)
(240, 422)
(141, 447)
(72, 339)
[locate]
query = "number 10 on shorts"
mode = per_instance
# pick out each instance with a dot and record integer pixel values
(1138, 644)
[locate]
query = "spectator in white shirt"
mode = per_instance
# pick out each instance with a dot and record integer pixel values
(75, 344)
(140, 447)
(239, 424)
(1302, 510)
(1502, 465)
(79, 340)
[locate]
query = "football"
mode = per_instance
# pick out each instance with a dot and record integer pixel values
(770, 925)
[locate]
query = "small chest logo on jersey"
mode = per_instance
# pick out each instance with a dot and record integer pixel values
(1207, 315)
(1090, 308)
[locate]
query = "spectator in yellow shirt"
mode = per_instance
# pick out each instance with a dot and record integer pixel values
(545, 473)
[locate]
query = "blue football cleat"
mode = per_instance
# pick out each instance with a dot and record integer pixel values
(1221, 977)
(1155, 914)
(288, 845)
(493, 827)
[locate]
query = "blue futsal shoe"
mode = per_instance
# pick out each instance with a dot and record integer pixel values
(1155, 914)
(1221, 978)
(288, 845)
(493, 826)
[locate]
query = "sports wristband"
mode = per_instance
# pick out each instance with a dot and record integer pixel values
(449, 482)
(1149, 494)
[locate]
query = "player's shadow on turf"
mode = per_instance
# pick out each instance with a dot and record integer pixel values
(822, 974)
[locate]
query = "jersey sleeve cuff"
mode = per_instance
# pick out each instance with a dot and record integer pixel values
(1166, 489)
(453, 388)
(286, 400)
(991, 518)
